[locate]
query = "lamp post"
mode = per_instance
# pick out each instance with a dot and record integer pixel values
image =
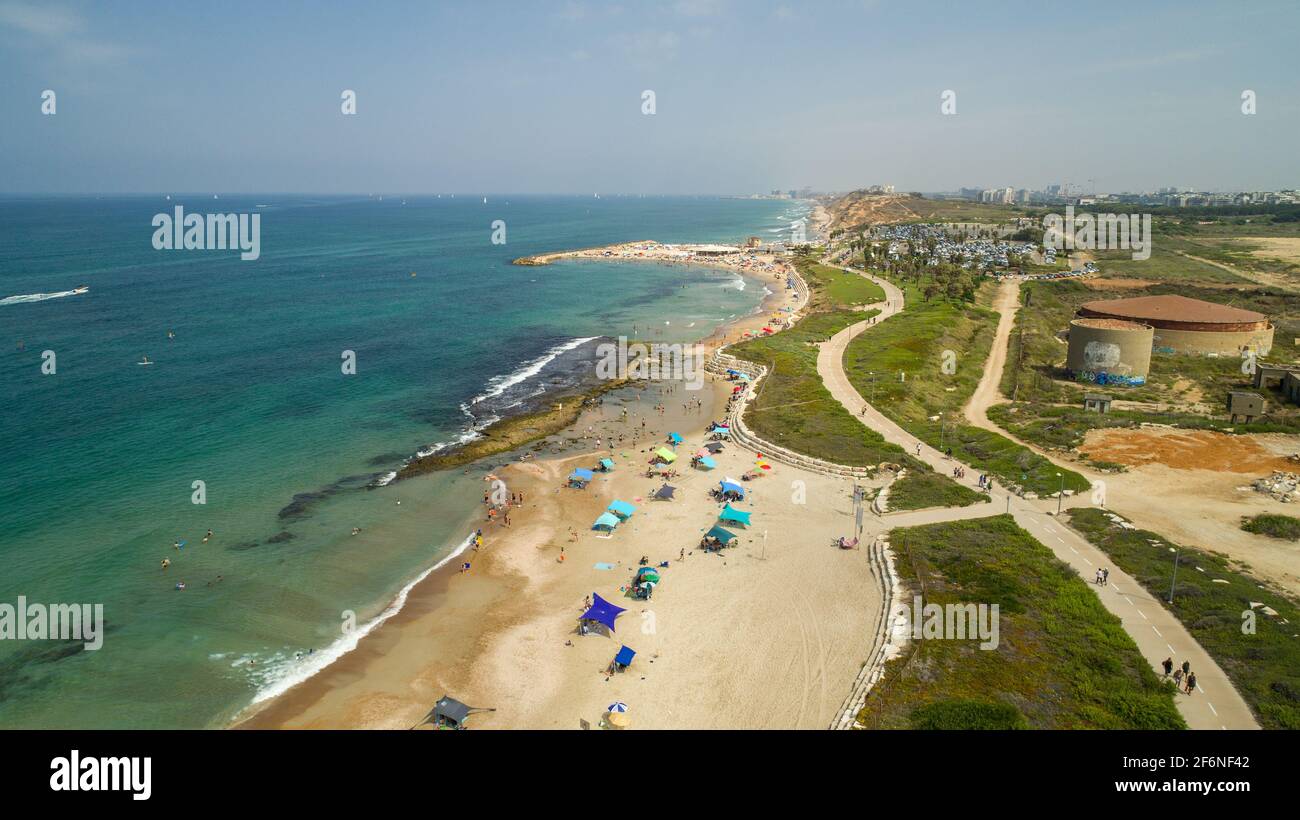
(1060, 494)
(941, 432)
(1174, 580)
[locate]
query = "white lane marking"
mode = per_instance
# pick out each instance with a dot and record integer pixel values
(1211, 705)
(1126, 598)
(1156, 630)
(1172, 650)
(1144, 615)
(1073, 550)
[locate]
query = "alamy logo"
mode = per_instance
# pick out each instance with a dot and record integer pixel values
(211, 232)
(1100, 232)
(53, 622)
(75, 773)
(681, 362)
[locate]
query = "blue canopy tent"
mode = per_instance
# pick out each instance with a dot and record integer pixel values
(602, 612)
(624, 657)
(725, 536)
(580, 478)
(606, 522)
(733, 489)
(675, 438)
(622, 509)
(707, 463)
(735, 516)
(606, 465)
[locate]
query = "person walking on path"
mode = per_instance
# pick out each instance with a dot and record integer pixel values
(1191, 683)
(1168, 664)
(1178, 679)
(1105, 579)
(1187, 667)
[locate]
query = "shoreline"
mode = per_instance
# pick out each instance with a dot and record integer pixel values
(430, 590)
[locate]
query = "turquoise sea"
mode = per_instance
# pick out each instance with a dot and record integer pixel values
(246, 394)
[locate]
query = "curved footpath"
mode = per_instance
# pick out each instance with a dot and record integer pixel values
(1157, 633)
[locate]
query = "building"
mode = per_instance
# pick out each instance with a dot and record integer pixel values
(1192, 326)
(1272, 375)
(1096, 402)
(1109, 351)
(1245, 404)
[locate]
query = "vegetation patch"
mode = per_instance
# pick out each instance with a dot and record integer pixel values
(1222, 606)
(1062, 661)
(1286, 527)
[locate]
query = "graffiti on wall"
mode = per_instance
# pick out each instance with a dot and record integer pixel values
(1104, 378)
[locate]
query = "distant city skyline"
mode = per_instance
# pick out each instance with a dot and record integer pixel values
(538, 98)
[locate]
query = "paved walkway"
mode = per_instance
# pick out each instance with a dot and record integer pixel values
(1157, 633)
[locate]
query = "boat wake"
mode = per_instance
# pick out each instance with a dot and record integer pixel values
(38, 297)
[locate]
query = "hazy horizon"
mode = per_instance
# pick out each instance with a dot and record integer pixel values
(546, 98)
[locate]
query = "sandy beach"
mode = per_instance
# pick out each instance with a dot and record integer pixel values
(768, 633)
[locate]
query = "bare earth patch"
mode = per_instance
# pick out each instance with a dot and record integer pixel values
(1193, 487)
(1283, 248)
(1184, 449)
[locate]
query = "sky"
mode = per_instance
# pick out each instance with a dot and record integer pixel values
(547, 97)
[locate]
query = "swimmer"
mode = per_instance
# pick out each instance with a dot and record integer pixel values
(166, 562)
(180, 585)
(209, 535)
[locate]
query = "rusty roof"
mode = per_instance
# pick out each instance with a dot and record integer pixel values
(1173, 309)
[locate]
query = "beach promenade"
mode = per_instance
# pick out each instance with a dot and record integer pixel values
(1157, 633)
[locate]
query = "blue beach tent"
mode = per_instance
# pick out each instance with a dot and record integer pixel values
(602, 612)
(735, 516)
(725, 536)
(606, 465)
(622, 509)
(707, 463)
(607, 522)
(580, 477)
(732, 488)
(675, 438)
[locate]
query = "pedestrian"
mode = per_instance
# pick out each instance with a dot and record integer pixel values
(1187, 667)
(1105, 579)
(1191, 683)
(1178, 679)
(1168, 664)
(1097, 578)
(918, 449)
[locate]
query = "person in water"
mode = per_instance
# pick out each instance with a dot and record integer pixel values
(166, 562)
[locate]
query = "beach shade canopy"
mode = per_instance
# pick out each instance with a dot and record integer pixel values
(607, 521)
(675, 438)
(707, 463)
(581, 477)
(735, 516)
(606, 464)
(665, 491)
(622, 509)
(450, 710)
(744, 377)
(625, 655)
(731, 372)
(717, 425)
(667, 455)
(725, 536)
(617, 706)
(603, 612)
(714, 446)
(649, 574)
(733, 488)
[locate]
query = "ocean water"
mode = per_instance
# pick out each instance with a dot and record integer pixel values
(245, 393)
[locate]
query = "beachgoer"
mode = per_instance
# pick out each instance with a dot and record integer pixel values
(1168, 664)
(166, 562)
(1191, 683)
(1187, 667)
(1178, 678)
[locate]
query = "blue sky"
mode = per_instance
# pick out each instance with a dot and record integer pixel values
(538, 97)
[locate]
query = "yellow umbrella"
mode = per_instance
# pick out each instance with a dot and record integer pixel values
(619, 720)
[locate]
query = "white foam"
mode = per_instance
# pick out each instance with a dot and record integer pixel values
(500, 384)
(285, 677)
(35, 297)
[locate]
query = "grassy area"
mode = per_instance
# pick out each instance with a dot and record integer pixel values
(1286, 527)
(1265, 665)
(918, 490)
(835, 288)
(1062, 661)
(918, 343)
(794, 409)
